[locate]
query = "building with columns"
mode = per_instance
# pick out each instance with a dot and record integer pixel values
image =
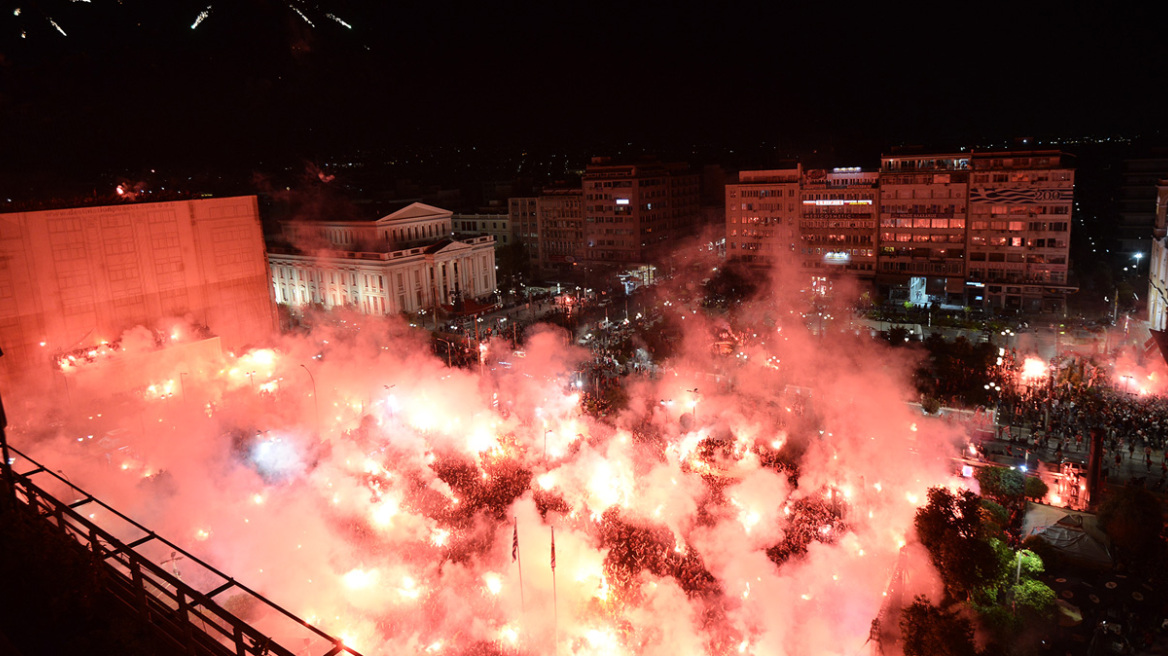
(405, 262)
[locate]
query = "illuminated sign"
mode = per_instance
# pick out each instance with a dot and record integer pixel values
(1007, 196)
(622, 201)
(834, 257)
(834, 202)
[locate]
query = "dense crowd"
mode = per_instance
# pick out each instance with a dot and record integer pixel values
(1058, 423)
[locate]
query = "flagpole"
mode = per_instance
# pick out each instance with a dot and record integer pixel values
(555, 600)
(519, 563)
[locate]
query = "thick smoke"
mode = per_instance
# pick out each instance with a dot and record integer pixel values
(754, 500)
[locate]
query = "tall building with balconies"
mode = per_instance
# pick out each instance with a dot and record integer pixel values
(634, 212)
(923, 211)
(561, 229)
(1020, 229)
(762, 215)
(1158, 264)
(524, 213)
(837, 221)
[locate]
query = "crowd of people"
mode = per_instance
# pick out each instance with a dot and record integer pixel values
(1056, 424)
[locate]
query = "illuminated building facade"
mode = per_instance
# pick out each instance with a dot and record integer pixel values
(75, 278)
(401, 263)
(634, 211)
(1020, 229)
(837, 221)
(1158, 266)
(922, 234)
(987, 229)
(762, 215)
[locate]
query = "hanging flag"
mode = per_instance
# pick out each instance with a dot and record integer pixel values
(553, 548)
(515, 542)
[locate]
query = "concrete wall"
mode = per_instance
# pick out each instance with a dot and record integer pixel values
(72, 278)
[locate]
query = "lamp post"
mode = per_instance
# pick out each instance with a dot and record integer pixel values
(694, 406)
(70, 482)
(182, 385)
(449, 348)
(315, 402)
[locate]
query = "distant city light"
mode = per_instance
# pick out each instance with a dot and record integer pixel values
(835, 202)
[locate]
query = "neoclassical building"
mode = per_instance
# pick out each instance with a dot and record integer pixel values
(406, 261)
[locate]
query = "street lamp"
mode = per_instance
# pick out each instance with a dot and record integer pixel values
(315, 402)
(449, 348)
(693, 405)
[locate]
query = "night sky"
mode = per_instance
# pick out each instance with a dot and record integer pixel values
(132, 85)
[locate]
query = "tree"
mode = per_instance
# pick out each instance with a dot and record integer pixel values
(1036, 488)
(995, 514)
(1034, 600)
(1017, 612)
(930, 631)
(950, 528)
(1133, 520)
(1003, 484)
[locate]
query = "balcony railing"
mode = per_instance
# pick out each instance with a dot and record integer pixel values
(188, 617)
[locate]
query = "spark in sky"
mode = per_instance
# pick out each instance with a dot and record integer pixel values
(339, 20)
(201, 17)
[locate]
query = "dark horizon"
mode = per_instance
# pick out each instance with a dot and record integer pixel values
(132, 86)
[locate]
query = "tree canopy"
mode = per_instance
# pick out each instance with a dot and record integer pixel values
(931, 631)
(1133, 520)
(1003, 484)
(950, 528)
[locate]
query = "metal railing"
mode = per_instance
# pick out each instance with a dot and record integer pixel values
(193, 620)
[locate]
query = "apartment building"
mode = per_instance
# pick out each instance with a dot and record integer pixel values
(1158, 264)
(980, 229)
(561, 229)
(762, 215)
(837, 221)
(922, 234)
(494, 224)
(524, 215)
(1020, 229)
(634, 211)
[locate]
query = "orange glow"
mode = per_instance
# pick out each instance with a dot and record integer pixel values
(1032, 369)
